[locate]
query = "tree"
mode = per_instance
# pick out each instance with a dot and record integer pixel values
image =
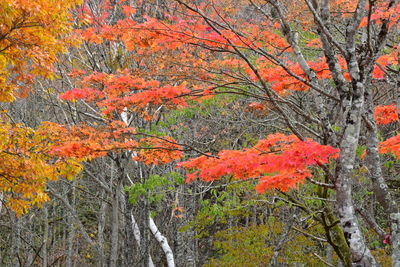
(32, 34)
(313, 79)
(272, 65)
(354, 50)
(265, 58)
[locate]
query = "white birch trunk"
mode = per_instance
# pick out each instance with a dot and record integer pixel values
(162, 240)
(137, 235)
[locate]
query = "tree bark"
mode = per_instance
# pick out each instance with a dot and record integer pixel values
(138, 236)
(114, 219)
(162, 240)
(71, 233)
(360, 253)
(100, 230)
(45, 235)
(380, 187)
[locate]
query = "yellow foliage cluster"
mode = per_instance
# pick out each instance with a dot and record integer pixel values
(32, 33)
(27, 164)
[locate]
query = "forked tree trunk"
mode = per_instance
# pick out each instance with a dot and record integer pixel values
(360, 253)
(138, 236)
(162, 240)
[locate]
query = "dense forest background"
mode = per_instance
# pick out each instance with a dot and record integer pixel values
(199, 133)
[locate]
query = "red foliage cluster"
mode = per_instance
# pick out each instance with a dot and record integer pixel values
(283, 80)
(88, 94)
(178, 34)
(382, 13)
(84, 142)
(382, 63)
(256, 106)
(280, 161)
(386, 114)
(391, 145)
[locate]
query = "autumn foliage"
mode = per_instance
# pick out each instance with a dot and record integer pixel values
(279, 161)
(27, 163)
(125, 90)
(83, 142)
(386, 114)
(236, 93)
(32, 34)
(180, 49)
(391, 146)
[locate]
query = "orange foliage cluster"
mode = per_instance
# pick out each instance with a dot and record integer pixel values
(280, 161)
(32, 34)
(382, 13)
(382, 63)
(177, 35)
(158, 150)
(391, 145)
(256, 106)
(386, 114)
(282, 81)
(298, 10)
(85, 142)
(167, 95)
(126, 91)
(88, 94)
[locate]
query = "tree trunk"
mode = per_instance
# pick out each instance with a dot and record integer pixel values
(138, 236)
(114, 253)
(380, 186)
(45, 235)
(361, 255)
(100, 230)
(162, 240)
(71, 222)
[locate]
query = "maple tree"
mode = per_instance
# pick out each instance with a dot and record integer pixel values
(265, 61)
(257, 62)
(27, 164)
